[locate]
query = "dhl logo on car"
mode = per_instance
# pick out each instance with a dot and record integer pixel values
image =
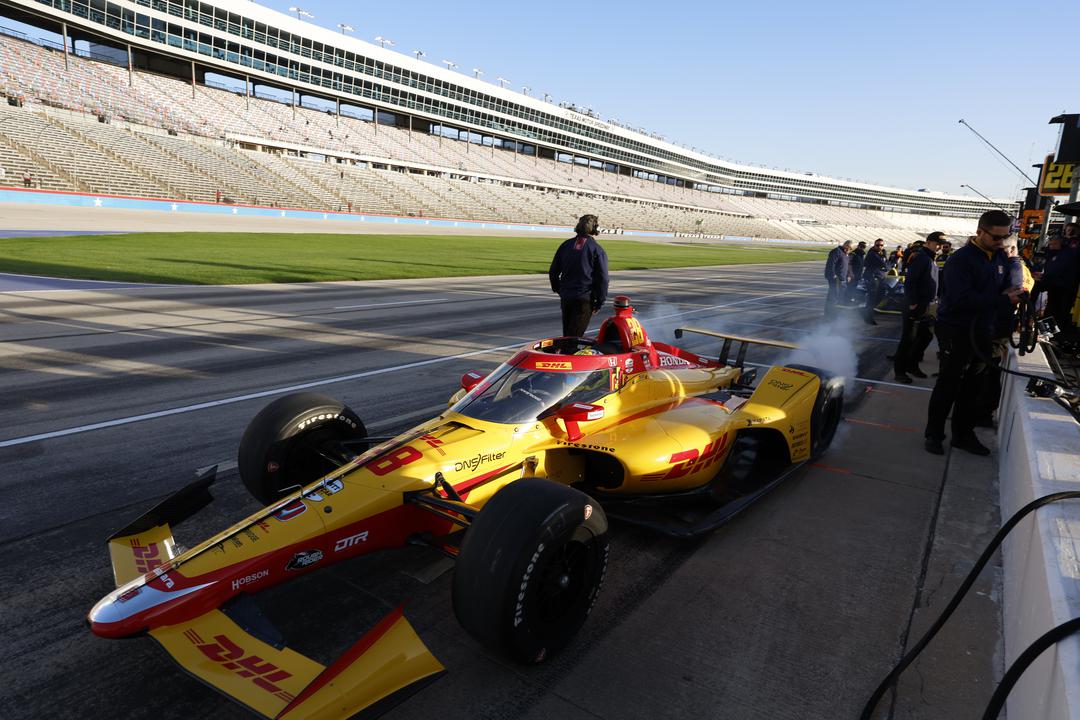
(692, 461)
(233, 657)
(554, 365)
(147, 557)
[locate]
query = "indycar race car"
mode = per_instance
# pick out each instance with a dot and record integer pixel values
(515, 481)
(892, 300)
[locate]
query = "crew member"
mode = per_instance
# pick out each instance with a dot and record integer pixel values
(920, 290)
(579, 274)
(858, 255)
(837, 269)
(976, 281)
(874, 269)
(1004, 325)
(1058, 280)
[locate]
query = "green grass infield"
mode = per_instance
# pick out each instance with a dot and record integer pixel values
(243, 258)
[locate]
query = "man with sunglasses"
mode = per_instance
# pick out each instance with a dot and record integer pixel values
(976, 288)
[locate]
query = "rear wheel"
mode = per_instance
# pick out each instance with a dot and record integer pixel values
(294, 441)
(530, 568)
(828, 410)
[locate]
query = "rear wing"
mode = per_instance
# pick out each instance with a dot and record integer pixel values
(740, 351)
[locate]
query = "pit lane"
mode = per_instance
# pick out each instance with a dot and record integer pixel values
(113, 397)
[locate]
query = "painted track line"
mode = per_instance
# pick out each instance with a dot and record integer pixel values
(389, 304)
(248, 396)
(345, 378)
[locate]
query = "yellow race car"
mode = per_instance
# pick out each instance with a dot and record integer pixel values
(515, 481)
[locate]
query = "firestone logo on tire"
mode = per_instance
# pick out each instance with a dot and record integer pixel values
(519, 609)
(326, 416)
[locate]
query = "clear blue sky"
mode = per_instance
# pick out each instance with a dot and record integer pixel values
(862, 89)
(856, 88)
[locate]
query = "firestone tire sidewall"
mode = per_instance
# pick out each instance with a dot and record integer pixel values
(274, 434)
(504, 574)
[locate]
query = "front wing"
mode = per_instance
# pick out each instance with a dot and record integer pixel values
(276, 682)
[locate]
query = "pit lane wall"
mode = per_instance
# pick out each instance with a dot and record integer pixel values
(181, 207)
(1039, 445)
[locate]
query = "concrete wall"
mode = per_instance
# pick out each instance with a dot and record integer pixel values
(1039, 445)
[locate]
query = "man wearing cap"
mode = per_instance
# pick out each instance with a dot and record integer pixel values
(920, 289)
(579, 274)
(837, 270)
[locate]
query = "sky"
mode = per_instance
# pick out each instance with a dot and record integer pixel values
(858, 89)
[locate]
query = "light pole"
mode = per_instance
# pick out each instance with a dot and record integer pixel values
(982, 196)
(301, 13)
(419, 54)
(503, 82)
(345, 28)
(547, 98)
(477, 72)
(450, 64)
(384, 41)
(525, 89)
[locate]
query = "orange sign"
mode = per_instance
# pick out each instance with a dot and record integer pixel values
(1031, 223)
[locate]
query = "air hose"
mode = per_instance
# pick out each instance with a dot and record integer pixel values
(1023, 661)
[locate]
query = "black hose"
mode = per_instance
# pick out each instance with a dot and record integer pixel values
(1062, 631)
(975, 348)
(988, 553)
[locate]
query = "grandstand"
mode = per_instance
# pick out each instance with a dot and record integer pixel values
(201, 101)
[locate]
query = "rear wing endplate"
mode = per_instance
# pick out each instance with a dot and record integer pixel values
(740, 351)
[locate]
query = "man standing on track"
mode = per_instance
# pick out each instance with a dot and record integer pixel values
(579, 274)
(920, 289)
(858, 255)
(976, 289)
(837, 270)
(874, 269)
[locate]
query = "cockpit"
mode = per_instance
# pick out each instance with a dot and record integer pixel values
(558, 371)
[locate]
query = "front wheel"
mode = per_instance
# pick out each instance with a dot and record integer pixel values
(294, 441)
(530, 568)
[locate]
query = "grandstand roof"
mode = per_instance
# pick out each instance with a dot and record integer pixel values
(493, 110)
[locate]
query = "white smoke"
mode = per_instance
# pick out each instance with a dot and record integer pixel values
(829, 348)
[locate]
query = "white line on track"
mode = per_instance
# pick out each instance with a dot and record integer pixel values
(403, 302)
(865, 380)
(241, 398)
(329, 381)
(737, 302)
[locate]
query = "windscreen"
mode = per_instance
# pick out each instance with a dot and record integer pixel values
(514, 395)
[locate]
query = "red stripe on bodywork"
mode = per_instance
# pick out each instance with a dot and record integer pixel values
(346, 659)
(467, 485)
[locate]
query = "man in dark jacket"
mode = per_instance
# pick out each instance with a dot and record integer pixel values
(856, 258)
(1058, 280)
(920, 289)
(837, 270)
(579, 274)
(874, 269)
(976, 287)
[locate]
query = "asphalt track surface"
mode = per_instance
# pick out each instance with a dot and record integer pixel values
(113, 397)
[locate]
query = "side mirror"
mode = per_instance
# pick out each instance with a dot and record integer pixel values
(575, 413)
(470, 380)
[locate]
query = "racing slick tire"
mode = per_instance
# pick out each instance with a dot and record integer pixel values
(827, 412)
(288, 443)
(530, 568)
